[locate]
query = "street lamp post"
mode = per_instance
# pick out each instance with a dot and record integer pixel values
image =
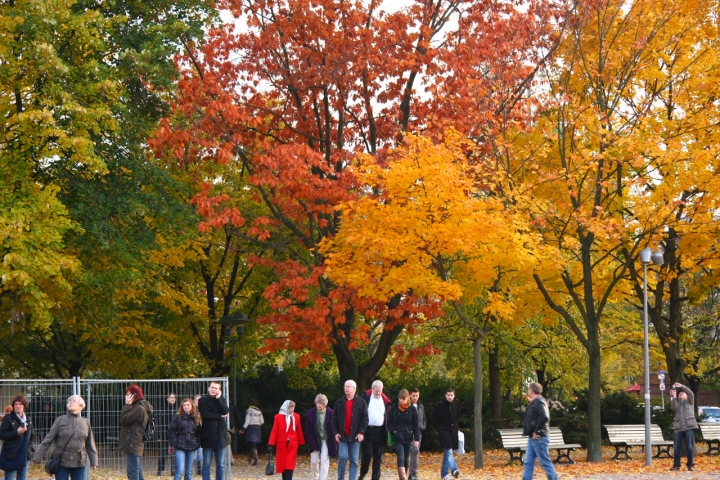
(647, 255)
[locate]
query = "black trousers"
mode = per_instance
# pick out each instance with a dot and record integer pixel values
(372, 446)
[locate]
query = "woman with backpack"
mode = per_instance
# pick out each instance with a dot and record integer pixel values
(134, 417)
(184, 436)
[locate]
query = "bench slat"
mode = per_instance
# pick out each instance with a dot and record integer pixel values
(513, 441)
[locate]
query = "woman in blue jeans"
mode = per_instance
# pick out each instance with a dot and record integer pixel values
(402, 423)
(184, 436)
(73, 439)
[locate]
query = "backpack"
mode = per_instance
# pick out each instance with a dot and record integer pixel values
(149, 431)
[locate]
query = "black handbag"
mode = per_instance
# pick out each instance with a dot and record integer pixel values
(270, 467)
(53, 464)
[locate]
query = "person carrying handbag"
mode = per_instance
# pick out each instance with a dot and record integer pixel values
(15, 432)
(73, 437)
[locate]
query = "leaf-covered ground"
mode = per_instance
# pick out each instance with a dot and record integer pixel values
(706, 467)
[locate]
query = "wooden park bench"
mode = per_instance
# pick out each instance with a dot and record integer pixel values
(711, 435)
(623, 437)
(516, 444)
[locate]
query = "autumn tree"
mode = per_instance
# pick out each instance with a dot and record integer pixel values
(82, 87)
(683, 188)
(294, 95)
(591, 164)
(425, 226)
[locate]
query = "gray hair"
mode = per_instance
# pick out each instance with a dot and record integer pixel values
(320, 398)
(352, 382)
(536, 387)
(78, 399)
(377, 383)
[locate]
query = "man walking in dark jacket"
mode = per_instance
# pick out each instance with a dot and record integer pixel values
(349, 422)
(536, 426)
(682, 402)
(415, 451)
(375, 440)
(445, 418)
(214, 412)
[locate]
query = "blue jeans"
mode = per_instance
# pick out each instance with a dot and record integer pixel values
(219, 451)
(348, 450)
(689, 437)
(134, 467)
(77, 473)
(402, 450)
(538, 449)
(448, 463)
(20, 474)
(183, 464)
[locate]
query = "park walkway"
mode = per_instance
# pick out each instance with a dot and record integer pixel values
(496, 468)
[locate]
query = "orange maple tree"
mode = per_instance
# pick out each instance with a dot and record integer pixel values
(302, 88)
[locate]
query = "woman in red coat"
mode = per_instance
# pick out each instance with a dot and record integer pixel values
(285, 438)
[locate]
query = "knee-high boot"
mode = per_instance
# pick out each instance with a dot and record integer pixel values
(255, 456)
(401, 473)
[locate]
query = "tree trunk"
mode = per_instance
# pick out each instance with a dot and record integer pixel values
(477, 358)
(594, 448)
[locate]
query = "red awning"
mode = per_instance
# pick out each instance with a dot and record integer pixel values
(634, 388)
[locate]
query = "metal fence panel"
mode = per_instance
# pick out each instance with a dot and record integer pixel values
(104, 400)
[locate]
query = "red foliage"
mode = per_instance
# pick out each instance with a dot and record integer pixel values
(304, 86)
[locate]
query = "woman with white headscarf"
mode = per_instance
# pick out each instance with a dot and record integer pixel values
(285, 438)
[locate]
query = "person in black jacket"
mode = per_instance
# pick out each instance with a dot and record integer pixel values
(402, 423)
(165, 417)
(415, 450)
(184, 436)
(349, 422)
(15, 432)
(445, 418)
(214, 412)
(536, 426)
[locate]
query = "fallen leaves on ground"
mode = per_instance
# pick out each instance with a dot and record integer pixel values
(496, 467)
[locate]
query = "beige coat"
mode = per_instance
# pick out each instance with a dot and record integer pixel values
(80, 446)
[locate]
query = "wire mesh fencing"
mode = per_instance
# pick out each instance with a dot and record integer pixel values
(104, 401)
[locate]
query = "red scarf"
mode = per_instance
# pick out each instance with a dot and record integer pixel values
(401, 408)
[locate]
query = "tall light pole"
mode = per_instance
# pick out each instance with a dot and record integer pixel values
(647, 255)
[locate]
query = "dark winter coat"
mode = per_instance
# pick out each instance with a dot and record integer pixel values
(9, 435)
(311, 432)
(684, 411)
(133, 419)
(183, 433)
(403, 425)
(359, 419)
(212, 410)
(445, 418)
(286, 441)
(422, 421)
(537, 418)
(75, 432)
(163, 418)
